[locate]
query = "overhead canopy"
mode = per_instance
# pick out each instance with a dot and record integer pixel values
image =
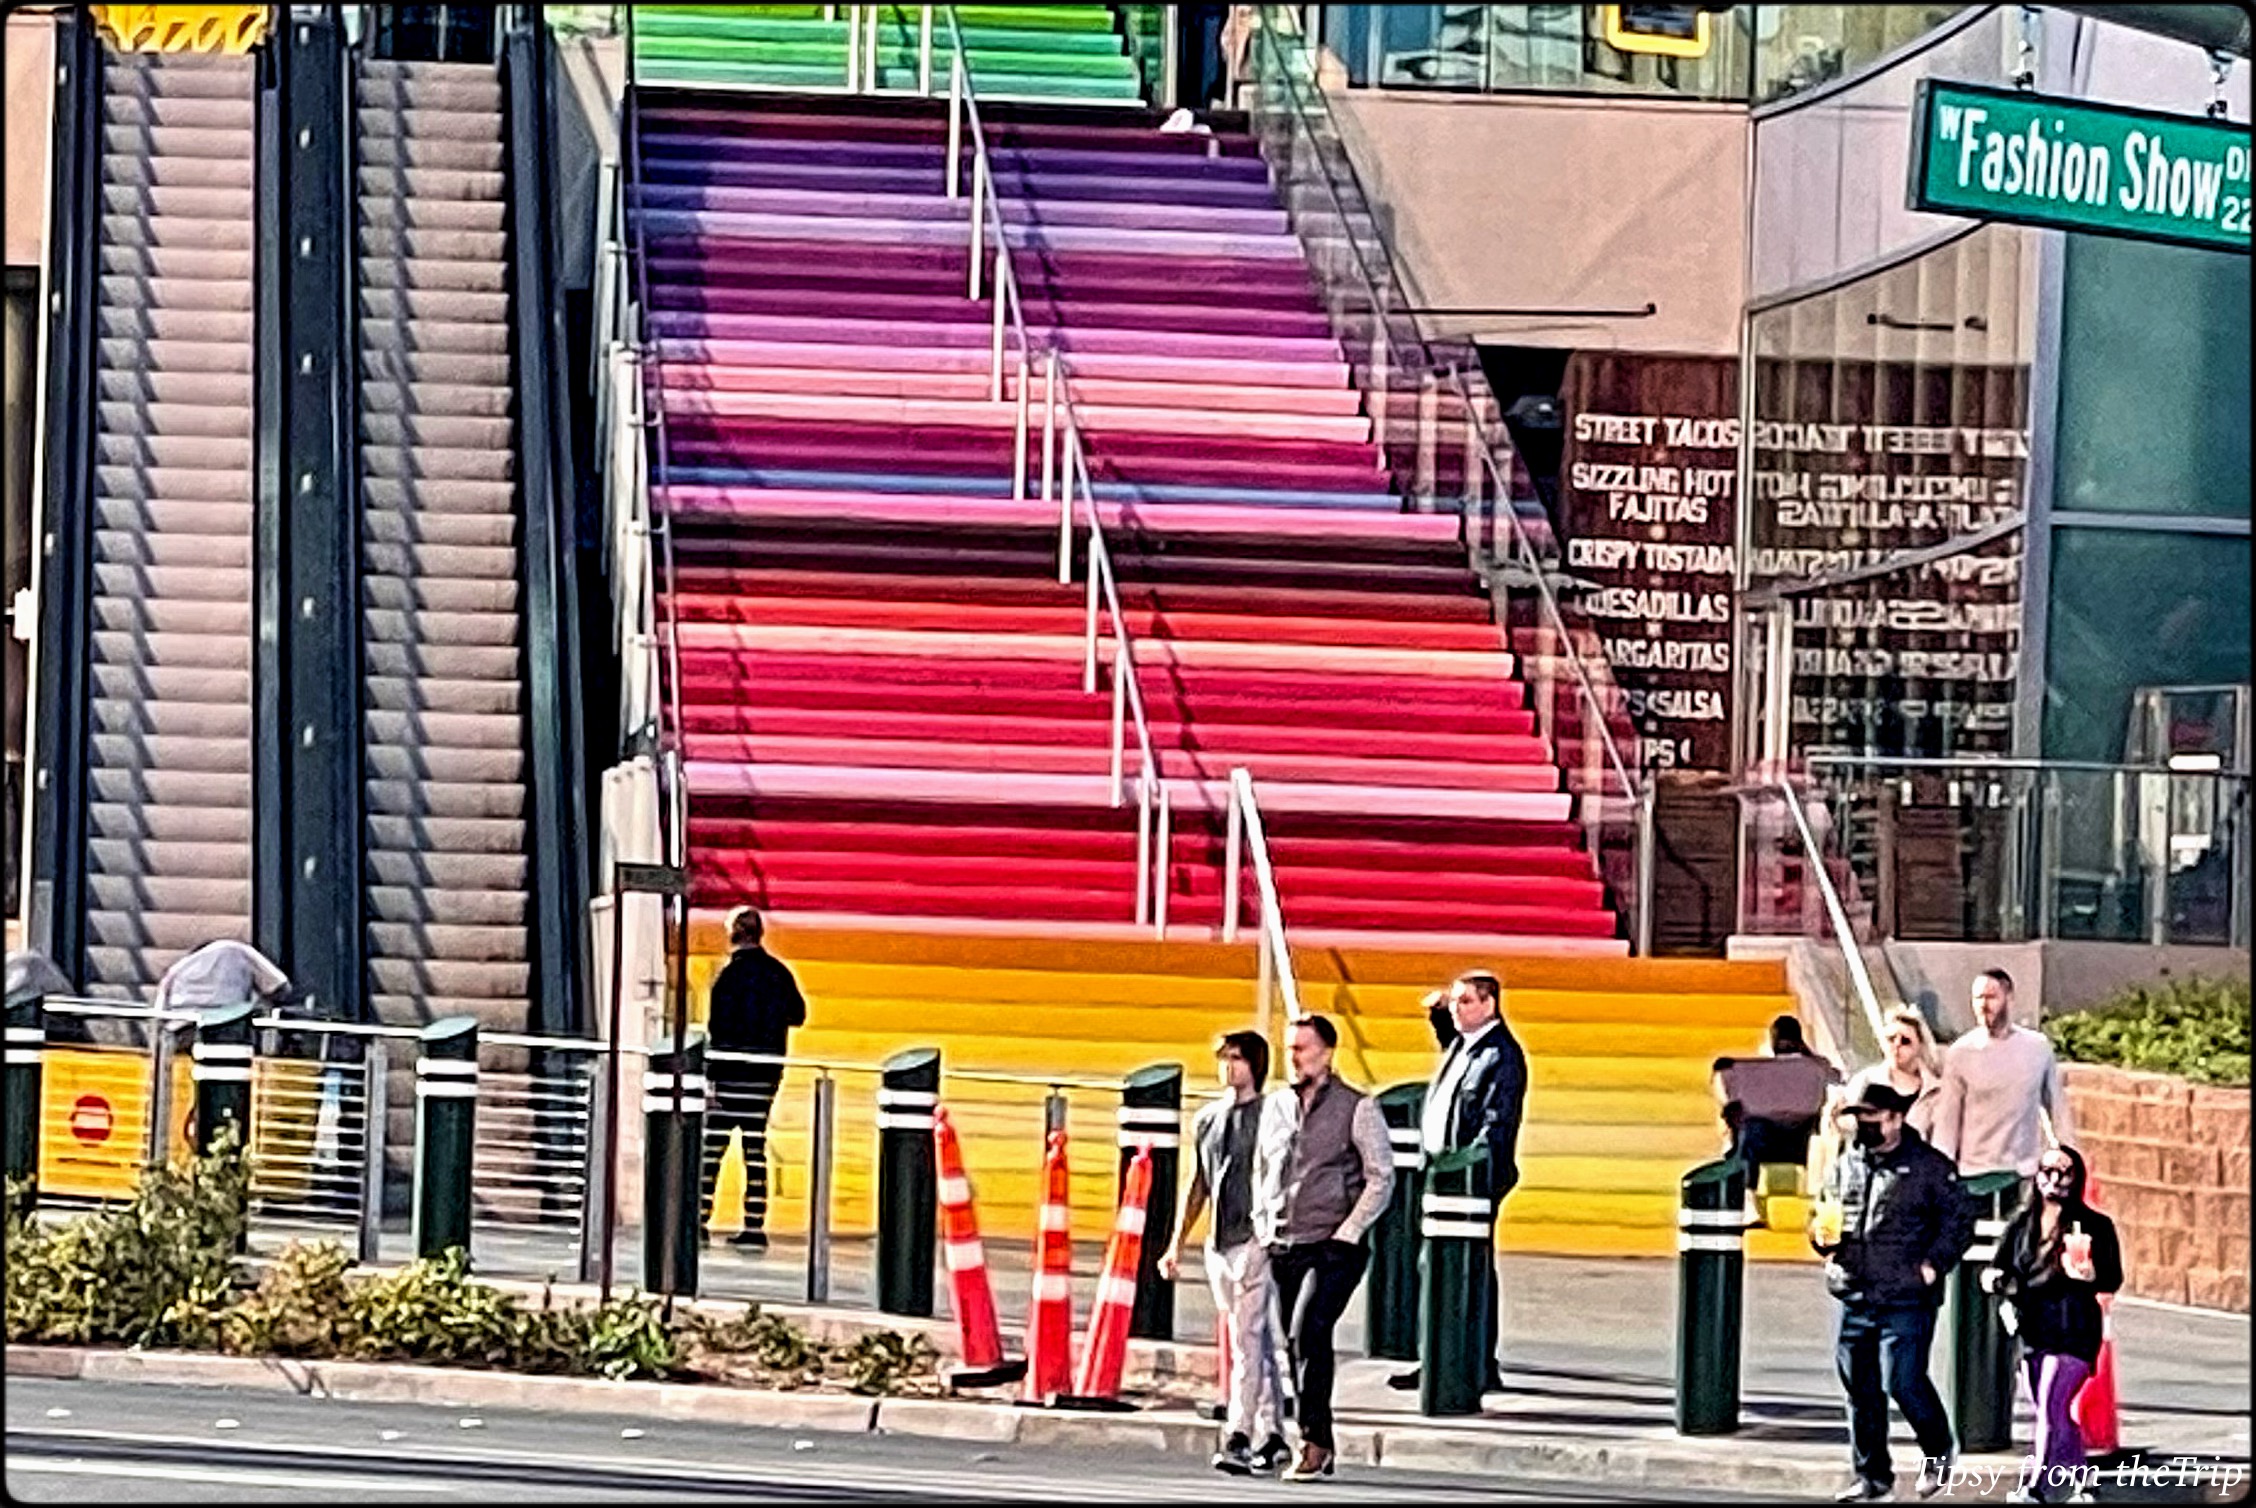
(2219, 28)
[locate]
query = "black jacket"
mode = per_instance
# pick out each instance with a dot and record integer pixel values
(1490, 1102)
(1899, 1209)
(2058, 1313)
(754, 1004)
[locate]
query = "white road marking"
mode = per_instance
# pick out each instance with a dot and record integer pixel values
(234, 1476)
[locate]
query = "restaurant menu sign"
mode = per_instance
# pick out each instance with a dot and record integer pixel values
(2008, 154)
(1857, 463)
(1648, 501)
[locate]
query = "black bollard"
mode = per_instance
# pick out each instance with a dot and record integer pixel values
(908, 1189)
(1455, 1215)
(27, 1038)
(221, 1071)
(1391, 1303)
(1151, 1115)
(1981, 1353)
(1711, 1267)
(672, 1146)
(446, 1120)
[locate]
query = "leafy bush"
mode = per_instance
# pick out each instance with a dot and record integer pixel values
(298, 1308)
(164, 1270)
(155, 1271)
(2195, 1028)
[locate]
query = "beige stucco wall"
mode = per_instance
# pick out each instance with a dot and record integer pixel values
(1534, 202)
(31, 99)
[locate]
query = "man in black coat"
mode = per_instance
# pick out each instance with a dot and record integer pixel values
(1891, 1222)
(753, 1007)
(1477, 1098)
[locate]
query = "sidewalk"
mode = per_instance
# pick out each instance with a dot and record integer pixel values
(1589, 1360)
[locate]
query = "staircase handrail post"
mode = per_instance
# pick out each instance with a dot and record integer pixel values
(924, 52)
(853, 45)
(1162, 869)
(1049, 433)
(978, 218)
(1233, 865)
(955, 126)
(1021, 430)
(1852, 954)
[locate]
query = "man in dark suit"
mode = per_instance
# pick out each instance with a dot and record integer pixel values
(1477, 1098)
(754, 1006)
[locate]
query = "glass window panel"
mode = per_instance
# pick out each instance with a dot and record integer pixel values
(2154, 385)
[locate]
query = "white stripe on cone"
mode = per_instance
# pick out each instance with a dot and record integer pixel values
(1112, 1289)
(1052, 1287)
(965, 1256)
(955, 1190)
(1056, 1217)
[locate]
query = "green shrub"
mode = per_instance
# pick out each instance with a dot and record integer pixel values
(2195, 1028)
(157, 1270)
(163, 1270)
(299, 1307)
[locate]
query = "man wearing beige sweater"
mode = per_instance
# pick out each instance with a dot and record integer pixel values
(1998, 1081)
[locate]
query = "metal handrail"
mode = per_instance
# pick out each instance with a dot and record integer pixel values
(1060, 427)
(1378, 288)
(1246, 836)
(1844, 937)
(672, 778)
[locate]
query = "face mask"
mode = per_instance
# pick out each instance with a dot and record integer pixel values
(1868, 1134)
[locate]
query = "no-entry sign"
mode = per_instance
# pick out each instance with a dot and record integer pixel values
(90, 1119)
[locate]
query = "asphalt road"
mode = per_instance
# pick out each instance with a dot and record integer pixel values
(136, 1442)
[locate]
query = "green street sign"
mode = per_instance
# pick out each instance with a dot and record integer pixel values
(2005, 154)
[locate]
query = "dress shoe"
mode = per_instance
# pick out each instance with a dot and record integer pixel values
(1314, 1462)
(750, 1240)
(1404, 1382)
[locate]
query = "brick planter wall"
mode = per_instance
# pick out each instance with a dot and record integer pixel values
(2172, 1160)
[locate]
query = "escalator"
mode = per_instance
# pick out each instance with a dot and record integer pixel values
(444, 719)
(301, 363)
(142, 791)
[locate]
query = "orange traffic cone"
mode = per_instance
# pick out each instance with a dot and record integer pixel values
(1049, 1323)
(2093, 1407)
(984, 1364)
(1105, 1352)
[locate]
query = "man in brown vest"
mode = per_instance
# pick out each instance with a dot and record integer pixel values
(1322, 1170)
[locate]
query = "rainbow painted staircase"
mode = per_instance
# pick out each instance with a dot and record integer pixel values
(881, 677)
(1041, 52)
(1618, 1051)
(888, 744)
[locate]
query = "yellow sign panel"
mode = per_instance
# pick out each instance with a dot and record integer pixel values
(1673, 31)
(183, 28)
(94, 1119)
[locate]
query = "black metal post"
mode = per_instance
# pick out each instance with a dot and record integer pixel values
(27, 1038)
(908, 1189)
(1151, 1115)
(674, 1090)
(446, 1113)
(1390, 1324)
(1711, 1263)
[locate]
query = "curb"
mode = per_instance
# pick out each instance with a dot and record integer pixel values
(1178, 1433)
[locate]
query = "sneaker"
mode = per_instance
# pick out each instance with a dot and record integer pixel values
(1405, 1382)
(1932, 1482)
(1861, 1491)
(1235, 1457)
(750, 1240)
(1271, 1458)
(1314, 1462)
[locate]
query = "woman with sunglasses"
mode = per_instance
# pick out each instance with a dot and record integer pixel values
(2055, 1258)
(1911, 1066)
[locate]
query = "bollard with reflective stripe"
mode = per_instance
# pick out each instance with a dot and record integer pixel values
(1454, 1226)
(446, 1112)
(1711, 1279)
(908, 1190)
(1981, 1353)
(27, 1036)
(1151, 1115)
(1391, 1303)
(671, 1240)
(221, 1071)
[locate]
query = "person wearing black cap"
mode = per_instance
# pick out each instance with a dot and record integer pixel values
(1890, 1222)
